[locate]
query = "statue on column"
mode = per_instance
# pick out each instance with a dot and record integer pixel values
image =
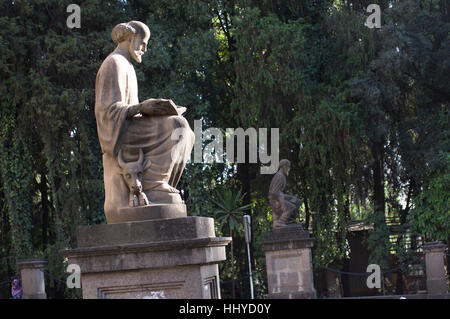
(284, 207)
(145, 144)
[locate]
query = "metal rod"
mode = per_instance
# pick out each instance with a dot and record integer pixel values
(250, 271)
(248, 239)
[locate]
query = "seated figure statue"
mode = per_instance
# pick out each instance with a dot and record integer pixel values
(124, 124)
(284, 207)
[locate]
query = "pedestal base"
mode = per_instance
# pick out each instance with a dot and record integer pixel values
(149, 212)
(289, 263)
(435, 268)
(162, 205)
(173, 258)
(33, 278)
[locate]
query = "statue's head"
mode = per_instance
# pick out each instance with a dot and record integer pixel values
(135, 34)
(285, 166)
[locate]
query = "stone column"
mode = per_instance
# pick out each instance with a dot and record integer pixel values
(33, 278)
(434, 261)
(161, 258)
(289, 263)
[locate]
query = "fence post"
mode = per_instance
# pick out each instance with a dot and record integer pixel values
(33, 278)
(434, 263)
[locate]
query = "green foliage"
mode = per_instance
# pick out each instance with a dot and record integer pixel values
(404, 104)
(16, 177)
(227, 211)
(430, 217)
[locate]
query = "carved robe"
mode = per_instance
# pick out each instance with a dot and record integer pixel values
(116, 90)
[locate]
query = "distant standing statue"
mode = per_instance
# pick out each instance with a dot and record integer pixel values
(284, 207)
(125, 125)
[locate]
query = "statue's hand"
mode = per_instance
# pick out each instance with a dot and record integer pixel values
(152, 107)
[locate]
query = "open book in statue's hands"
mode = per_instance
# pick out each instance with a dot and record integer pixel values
(158, 107)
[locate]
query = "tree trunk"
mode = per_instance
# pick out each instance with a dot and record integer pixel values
(45, 207)
(307, 214)
(378, 179)
(379, 202)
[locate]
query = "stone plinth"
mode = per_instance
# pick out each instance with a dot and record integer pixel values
(172, 258)
(289, 263)
(33, 278)
(434, 260)
(149, 212)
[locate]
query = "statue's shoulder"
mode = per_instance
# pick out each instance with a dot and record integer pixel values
(277, 182)
(114, 61)
(278, 175)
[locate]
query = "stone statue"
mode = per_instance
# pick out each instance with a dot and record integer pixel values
(142, 132)
(284, 207)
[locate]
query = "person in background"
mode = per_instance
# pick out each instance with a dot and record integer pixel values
(16, 289)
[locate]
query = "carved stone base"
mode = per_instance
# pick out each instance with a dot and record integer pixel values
(149, 212)
(289, 263)
(172, 258)
(163, 197)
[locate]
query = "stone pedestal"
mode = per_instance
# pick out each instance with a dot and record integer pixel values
(162, 258)
(152, 211)
(289, 263)
(434, 260)
(33, 283)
